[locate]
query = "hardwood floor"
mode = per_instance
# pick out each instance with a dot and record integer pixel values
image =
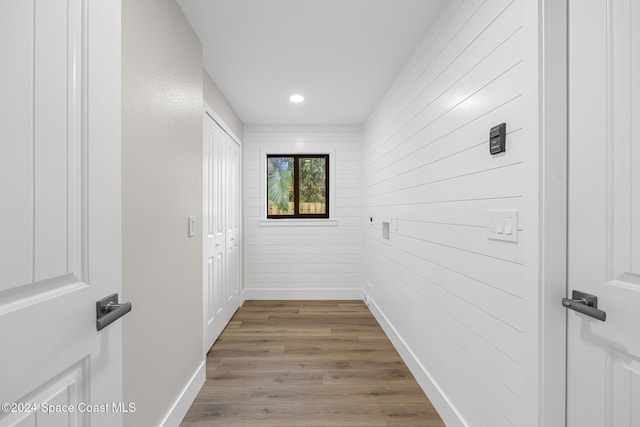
(307, 363)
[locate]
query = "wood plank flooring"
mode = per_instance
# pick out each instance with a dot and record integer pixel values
(311, 364)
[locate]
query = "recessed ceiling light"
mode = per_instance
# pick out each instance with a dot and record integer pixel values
(296, 98)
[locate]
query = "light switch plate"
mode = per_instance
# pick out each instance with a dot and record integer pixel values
(192, 226)
(502, 225)
(394, 223)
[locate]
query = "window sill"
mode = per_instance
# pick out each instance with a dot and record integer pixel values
(301, 222)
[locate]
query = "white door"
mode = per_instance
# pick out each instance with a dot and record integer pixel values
(221, 231)
(60, 212)
(603, 366)
(233, 227)
(214, 231)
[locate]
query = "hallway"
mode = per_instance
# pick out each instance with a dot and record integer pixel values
(307, 363)
(471, 233)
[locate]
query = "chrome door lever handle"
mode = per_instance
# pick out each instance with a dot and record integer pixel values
(113, 306)
(585, 304)
(108, 311)
(568, 302)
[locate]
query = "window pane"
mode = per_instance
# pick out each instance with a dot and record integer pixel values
(280, 176)
(312, 188)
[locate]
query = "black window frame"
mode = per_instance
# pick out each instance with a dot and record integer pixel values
(296, 187)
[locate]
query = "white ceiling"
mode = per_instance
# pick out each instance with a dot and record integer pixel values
(340, 54)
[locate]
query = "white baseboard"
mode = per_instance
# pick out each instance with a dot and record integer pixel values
(445, 409)
(304, 294)
(180, 407)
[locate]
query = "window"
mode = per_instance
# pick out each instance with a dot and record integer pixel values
(298, 186)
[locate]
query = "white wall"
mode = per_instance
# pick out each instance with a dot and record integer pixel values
(216, 100)
(461, 308)
(304, 261)
(162, 108)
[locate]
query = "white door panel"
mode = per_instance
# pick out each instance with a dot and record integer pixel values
(211, 240)
(233, 219)
(50, 137)
(603, 367)
(221, 218)
(16, 161)
(60, 217)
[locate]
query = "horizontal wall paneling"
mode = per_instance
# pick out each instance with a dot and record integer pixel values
(454, 297)
(298, 259)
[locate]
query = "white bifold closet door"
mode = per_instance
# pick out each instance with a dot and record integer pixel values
(221, 229)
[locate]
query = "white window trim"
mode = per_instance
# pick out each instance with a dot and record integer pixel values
(297, 222)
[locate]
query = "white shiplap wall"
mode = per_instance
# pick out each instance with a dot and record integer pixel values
(304, 261)
(451, 298)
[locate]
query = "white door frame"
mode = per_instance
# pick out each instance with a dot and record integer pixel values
(553, 212)
(210, 111)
